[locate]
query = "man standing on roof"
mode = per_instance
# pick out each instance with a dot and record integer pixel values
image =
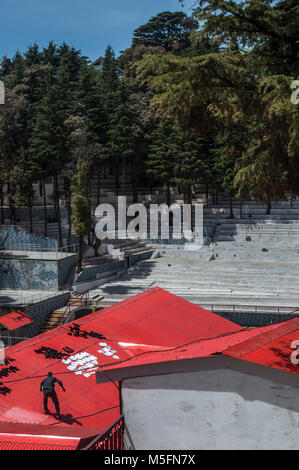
(48, 388)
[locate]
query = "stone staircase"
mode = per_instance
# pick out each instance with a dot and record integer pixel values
(59, 317)
(53, 320)
(121, 249)
(252, 221)
(252, 263)
(242, 278)
(265, 230)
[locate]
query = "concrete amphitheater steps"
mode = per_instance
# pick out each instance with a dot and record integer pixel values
(220, 285)
(252, 286)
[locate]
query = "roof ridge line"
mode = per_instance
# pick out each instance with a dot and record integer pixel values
(270, 335)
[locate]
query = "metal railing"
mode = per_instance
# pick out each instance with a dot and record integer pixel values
(21, 299)
(251, 308)
(111, 439)
(57, 252)
(80, 300)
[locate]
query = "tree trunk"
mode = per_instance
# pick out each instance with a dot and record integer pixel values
(168, 194)
(89, 196)
(116, 179)
(269, 205)
(69, 216)
(150, 185)
(30, 215)
(231, 212)
(214, 199)
(67, 190)
(10, 204)
(96, 246)
(45, 208)
(187, 195)
(134, 185)
(241, 210)
(89, 239)
(2, 204)
(123, 176)
(207, 194)
(99, 186)
(80, 254)
(57, 210)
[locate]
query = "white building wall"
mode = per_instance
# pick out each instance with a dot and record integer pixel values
(210, 409)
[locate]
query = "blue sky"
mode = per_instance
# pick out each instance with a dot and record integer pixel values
(87, 25)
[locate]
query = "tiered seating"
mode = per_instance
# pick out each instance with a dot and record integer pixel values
(252, 264)
(19, 240)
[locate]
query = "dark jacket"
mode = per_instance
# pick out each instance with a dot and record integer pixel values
(48, 384)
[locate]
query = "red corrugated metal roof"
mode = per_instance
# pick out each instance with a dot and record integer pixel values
(60, 431)
(14, 320)
(159, 318)
(153, 320)
(269, 346)
(27, 442)
(18, 436)
(151, 327)
(199, 348)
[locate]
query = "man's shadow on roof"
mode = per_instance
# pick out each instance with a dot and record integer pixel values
(69, 420)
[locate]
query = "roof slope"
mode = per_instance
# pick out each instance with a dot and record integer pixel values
(269, 346)
(17, 442)
(14, 320)
(154, 320)
(156, 317)
(272, 347)
(37, 437)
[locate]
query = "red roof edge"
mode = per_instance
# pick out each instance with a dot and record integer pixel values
(14, 320)
(60, 329)
(263, 338)
(14, 436)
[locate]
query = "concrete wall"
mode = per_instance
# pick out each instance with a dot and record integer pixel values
(90, 273)
(18, 240)
(27, 273)
(211, 409)
(66, 269)
(39, 312)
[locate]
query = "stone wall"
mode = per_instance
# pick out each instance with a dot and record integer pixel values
(34, 274)
(66, 270)
(39, 312)
(18, 240)
(90, 273)
(29, 274)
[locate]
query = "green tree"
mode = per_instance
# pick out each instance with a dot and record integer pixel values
(120, 147)
(163, 151)
(169, 30)
(91, 105)
(242, 88)
(12, 145)
(266, 28)
(190, 166)
(227, 154)
(48, 142)
(177, 158)
(81, 217)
